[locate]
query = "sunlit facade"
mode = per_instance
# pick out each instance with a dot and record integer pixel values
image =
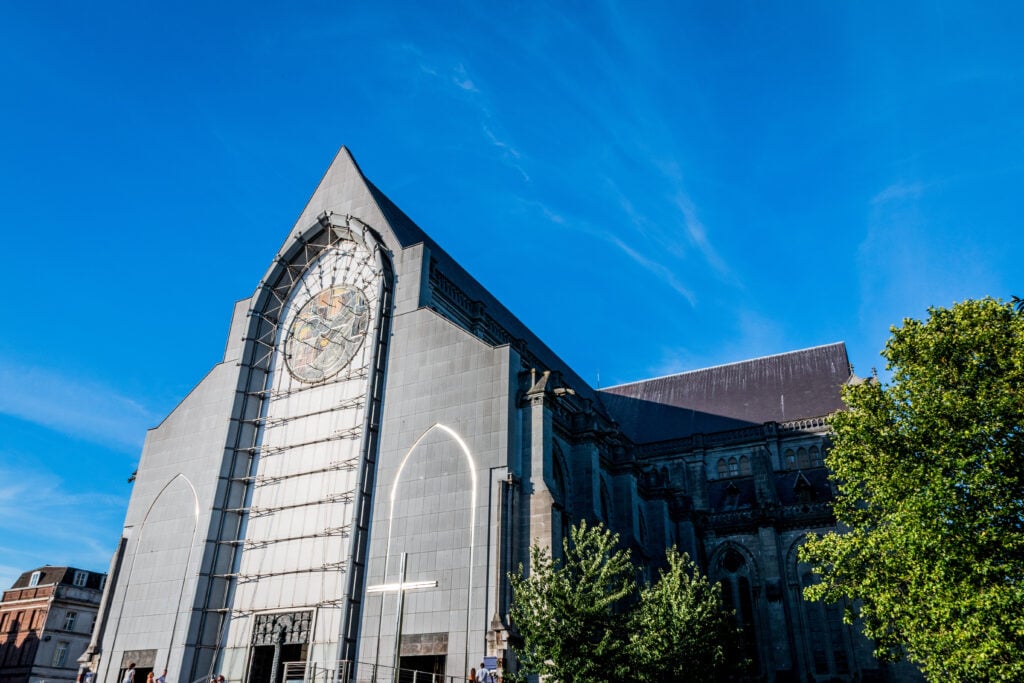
(345, 493)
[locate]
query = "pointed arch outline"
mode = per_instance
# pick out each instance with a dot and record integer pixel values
(748, 558)
(472, 520)
(188, 558)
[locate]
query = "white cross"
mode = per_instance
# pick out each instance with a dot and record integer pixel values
(401, 587)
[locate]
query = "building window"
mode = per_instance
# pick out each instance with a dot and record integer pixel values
(816, 460)
(34, 579)
(103, 581)
(737, 597)
(723, 470)
(801, 458)
(69, 621)
(790, 457)
(60, 655)
(744, 465)
(734, 467)
(80, 577)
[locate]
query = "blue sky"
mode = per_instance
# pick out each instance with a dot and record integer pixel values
(652, 187)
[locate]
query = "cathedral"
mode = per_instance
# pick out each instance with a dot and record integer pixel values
(342, 497)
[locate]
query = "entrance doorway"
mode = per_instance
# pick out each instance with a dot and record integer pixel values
(421, 669)
(262, 668)
(280, 646)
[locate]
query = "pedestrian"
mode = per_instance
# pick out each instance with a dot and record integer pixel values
(129, 674)
(472, 675)
(150, 678)
(162, 678)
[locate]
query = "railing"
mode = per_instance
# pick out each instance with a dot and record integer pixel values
(362, 672)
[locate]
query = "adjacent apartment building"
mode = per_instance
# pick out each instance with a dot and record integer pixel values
(46, 621)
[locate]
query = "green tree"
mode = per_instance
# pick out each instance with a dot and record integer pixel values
(930, 475)
(680, 630)
(567, 612)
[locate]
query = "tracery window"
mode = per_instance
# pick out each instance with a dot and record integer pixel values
(723, 469)
(802, 461)
(734, 467)
(790, 458)
(816, 458)
(737, 597)
(744, 465)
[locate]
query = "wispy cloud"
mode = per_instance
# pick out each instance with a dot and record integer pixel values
(661, 271)
(90, 411)
(84, 537)
(462, 80)
(698, 235)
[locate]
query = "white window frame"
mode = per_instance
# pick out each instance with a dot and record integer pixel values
(70, 617)
(33, 580)
(81, 578)
(60, 655)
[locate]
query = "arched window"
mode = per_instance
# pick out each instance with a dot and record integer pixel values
(734, 467)
(825, 637)
(737, 597)
(744, 465)
(816, 459)
(802, 461)
(790, 458)
(723, 469)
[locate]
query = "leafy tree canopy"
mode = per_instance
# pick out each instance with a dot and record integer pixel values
(566, 612)
(581, 619)
(680, 631)
(930, 474)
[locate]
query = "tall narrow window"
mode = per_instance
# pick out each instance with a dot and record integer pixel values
(723, 469)
(790, 457)
(744, 465)
(801, 458)
(734, 467)
(60, 655)
(69, 620)
(34, 579)
(737, 598)
(816, 459)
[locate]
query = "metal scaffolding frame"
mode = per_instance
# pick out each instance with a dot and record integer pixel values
(265, 327)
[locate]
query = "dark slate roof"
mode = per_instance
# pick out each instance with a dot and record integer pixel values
(65, 575)
(789, 386)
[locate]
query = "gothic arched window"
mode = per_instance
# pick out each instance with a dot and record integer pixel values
(735, 575)
(825, 631)
(734, 467)
(802, 461)
(723, 469)
(790, 458)
(816, 459)
(744, 465)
